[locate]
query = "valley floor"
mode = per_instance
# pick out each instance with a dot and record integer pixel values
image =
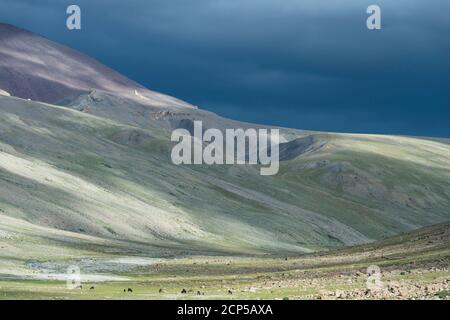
(412, 266)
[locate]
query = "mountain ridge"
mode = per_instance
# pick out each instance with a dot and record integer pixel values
(41, 70)
(97, 163)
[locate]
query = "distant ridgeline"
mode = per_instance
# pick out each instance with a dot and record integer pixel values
(4, 93)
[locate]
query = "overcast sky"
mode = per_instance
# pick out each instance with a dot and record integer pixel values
(309, 64)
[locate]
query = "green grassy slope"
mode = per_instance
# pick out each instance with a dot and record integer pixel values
(413, 265)
(95, 177)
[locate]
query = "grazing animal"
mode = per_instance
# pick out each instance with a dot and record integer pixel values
(91, 288)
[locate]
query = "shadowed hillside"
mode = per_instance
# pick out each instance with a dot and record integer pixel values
(33, 67)
(94, 168)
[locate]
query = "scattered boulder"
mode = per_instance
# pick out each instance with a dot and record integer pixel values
(339, 294)
(95, 96)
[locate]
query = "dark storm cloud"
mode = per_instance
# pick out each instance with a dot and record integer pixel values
(307, 64)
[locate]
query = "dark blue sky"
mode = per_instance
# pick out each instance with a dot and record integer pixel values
(309, 64)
